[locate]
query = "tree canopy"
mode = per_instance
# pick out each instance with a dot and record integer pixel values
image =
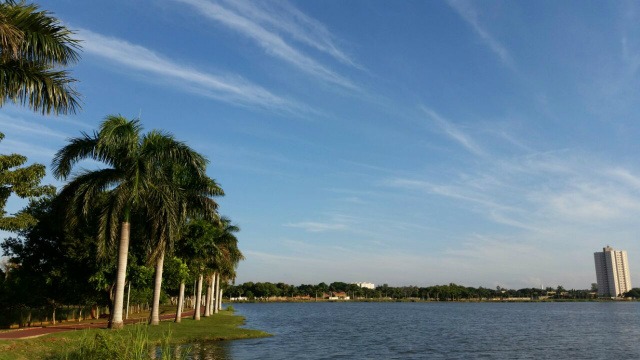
(23, 181)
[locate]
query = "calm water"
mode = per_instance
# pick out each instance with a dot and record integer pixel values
(435, 331)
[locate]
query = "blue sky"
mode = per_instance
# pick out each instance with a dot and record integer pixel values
(415, 142)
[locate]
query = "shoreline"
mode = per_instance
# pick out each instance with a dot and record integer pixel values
(225, 326)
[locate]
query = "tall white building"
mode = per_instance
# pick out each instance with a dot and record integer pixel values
(612, 272)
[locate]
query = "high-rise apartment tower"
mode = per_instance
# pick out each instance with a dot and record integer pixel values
(612, 272)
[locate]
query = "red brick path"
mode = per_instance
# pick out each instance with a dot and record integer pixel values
(39, 331)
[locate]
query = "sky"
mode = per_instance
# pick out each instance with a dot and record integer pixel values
(484, 143)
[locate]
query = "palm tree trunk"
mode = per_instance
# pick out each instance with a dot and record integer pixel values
(214, 291)
(196, 314)
(195, 286)
(126, 316)
(214, 301)
(218, 294)
(155, 310)
(207, 299)
(180, 303)
(123, 253)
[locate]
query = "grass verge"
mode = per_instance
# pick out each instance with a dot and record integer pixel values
(96, 343)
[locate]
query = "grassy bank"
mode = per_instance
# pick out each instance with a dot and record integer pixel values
(94, 343)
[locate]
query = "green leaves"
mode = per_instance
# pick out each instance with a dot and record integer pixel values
(23, 182)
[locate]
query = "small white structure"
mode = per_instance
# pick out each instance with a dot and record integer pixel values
(239, 298)
(366, 285)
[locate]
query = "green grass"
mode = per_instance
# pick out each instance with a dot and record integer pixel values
(134, 339)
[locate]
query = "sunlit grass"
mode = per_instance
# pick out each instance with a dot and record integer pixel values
(133, 342)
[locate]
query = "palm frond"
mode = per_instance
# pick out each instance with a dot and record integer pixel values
(80, 148)
(83, 189)
(162, 149)
(44, 39)
(118, 141)
(111, 218)
(10, 37)
(38, 86)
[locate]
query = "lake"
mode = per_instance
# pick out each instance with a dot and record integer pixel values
(589, 330)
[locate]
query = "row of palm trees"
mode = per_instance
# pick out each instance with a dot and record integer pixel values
(151, 174)
(159, 178)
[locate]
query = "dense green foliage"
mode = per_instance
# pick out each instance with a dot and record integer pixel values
(50, 265)
(633, 293)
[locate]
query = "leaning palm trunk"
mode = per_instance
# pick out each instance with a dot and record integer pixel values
(196, 313)
(123, 253)
(155, 311)
(126, 315)
(218, 294)
(213, 293)
(180, 303)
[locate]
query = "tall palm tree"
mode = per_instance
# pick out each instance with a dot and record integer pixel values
(34, 45)
(135, 177)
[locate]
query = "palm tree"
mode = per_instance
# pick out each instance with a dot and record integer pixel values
(226, 258)
(33, 46)
(135, 178)
(211, 248)
(197, 247)
(193, 197)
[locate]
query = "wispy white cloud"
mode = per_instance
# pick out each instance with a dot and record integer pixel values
(225, 87)
(625, 176)
(630, 51)
(541, 193)
(590, 200)
(23, 126)
(312, 226)
(286, 18)
(28, 149)
(454, 132)
(248, 24)
(468, 12)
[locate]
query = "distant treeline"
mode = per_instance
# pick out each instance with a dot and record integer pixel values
(451, 292)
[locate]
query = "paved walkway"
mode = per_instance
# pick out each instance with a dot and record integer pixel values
(30, 332)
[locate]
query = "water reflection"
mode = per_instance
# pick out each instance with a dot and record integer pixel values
(208, 350)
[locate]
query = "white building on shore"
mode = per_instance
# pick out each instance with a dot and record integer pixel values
(366, 285)
(612, 272)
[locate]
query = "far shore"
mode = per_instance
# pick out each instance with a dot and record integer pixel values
(417, 300)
